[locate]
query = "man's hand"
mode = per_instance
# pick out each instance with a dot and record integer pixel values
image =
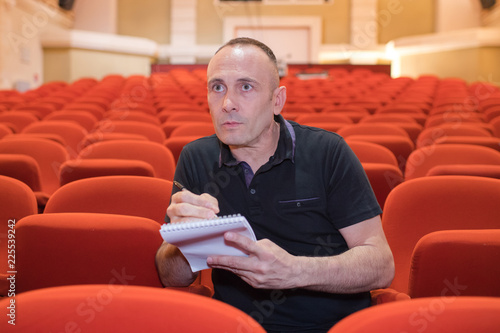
(173, 268)
(367, 265)
(267, 266)
(187, 206)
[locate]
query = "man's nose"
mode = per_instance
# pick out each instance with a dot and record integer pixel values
(229, 104)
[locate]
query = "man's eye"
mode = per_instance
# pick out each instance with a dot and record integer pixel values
(246, 87)
(218, 88)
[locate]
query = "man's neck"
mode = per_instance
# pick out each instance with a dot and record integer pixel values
(259, 155)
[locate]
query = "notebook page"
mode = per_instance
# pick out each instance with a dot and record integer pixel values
(200, 239)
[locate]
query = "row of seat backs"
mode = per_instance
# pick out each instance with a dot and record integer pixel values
(137, 308)
(413, 209)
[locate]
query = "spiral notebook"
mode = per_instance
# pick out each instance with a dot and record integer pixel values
(200, 239)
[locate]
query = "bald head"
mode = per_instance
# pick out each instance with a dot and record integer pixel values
(246, 41)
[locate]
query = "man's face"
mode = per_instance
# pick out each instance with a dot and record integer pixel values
(242, 92)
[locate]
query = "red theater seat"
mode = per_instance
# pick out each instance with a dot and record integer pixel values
(110, 307)
(21, 167)
(423, 159)
(480, 170)
(83, 248)
(420, 206)
(87, 168)
(369, 152)
(151, 131)
(177, 143)
(193, 129)
(71, 132)
(456, 263)
(383, 179)
(158, 156)
(430, 315)
(17, 200)
(126, 195)
(48, 154)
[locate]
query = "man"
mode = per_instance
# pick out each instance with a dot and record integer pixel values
(321, 247)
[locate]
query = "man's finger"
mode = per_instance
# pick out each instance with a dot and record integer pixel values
(242, 242)
(203, 200)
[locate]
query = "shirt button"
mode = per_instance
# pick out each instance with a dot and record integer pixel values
(298, 204)
(252, 191)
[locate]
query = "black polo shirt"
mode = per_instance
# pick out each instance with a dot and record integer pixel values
(309, 189)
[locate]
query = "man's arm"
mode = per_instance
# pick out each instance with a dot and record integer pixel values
(367, 265)
(172, 266)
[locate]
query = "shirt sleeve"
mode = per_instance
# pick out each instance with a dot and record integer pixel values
(350, 195)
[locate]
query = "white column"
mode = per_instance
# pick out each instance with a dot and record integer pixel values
(183, 32)
(364, 28)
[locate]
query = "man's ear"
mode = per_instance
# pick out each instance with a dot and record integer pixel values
(279, 99)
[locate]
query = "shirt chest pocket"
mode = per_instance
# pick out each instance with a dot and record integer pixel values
(299, 205)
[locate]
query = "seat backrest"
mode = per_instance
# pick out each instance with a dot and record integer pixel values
(388, 118)
(84, 118)
(372, 129)
(99, 136)
(48, 154)
(495, 123)
(151, 131)
(430, 315)
(19, 119)
(177, 143)
(383, 179)
(125, 114)
(6, 129)
(481, 170)
(423, 205)
(399, 145)
(17, 200)
(96, 110)
(492, 112)
(85, 248)
(431, 134)
(486, 141)
(40, 110)
(324, 117)
(102, 101)
(193, 129)
(369, 152)
(157, 155)
(454, 118)
(70, 131)
(456, 263)
(327, 126)
(126, 309)
(23, 168)
(421, 160)
(126, 195)
(72, 170)
(187, 116)
(412, 128)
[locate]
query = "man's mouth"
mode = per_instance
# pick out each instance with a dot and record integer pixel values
(231, 124)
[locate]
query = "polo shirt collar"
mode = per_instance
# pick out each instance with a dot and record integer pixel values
(285, 149)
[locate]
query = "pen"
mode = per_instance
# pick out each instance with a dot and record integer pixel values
(182, 187)
(179, 185)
